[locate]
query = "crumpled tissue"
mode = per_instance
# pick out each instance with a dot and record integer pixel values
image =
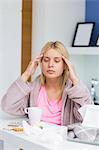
(46, 133)
(90, 115)
(88, 130)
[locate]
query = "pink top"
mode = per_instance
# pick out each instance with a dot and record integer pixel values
(51, 109)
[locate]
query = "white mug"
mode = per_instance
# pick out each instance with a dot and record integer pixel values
(34, 114)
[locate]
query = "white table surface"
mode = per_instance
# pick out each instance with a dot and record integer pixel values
(65, 145)
(60, 146)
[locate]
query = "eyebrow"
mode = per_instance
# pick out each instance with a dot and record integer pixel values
(53, 57)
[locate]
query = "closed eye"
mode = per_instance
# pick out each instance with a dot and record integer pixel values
(57, 60)
(46, 59)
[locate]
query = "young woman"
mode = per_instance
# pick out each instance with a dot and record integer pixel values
(57, 89)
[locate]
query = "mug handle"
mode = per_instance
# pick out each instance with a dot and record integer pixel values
(26, 110)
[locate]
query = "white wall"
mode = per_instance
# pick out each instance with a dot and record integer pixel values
(91, 69)
(10, 42)
(55, 20)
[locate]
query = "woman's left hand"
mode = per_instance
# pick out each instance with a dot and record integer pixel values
(72, 75)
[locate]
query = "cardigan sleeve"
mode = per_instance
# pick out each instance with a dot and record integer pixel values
(79, 95)
(16, 97)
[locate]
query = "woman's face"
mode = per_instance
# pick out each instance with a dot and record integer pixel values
(52, 64)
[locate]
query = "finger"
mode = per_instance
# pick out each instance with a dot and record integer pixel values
(38, 58)
(41, 55)
(66, 61)
(33, 63)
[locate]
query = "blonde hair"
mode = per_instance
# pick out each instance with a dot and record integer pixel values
(59, 47)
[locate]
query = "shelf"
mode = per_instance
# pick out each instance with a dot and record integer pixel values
(83, 50)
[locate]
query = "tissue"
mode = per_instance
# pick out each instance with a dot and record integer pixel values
(90, 115)
(46, 133)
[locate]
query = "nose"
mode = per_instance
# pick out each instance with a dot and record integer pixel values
(51, 63)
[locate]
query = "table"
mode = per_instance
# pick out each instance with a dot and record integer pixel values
(20, 141)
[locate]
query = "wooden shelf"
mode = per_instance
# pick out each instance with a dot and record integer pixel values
(83, 50)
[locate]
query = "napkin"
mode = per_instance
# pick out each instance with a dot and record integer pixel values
(46, 133)
(88, 130)
(90, 115)
(80, 133)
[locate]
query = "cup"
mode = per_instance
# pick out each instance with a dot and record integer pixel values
(34, 114)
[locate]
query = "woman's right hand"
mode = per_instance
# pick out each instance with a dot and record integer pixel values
(30, 70)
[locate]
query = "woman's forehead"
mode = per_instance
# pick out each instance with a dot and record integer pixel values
(52, 52)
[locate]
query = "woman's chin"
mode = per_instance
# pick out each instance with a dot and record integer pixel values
(51, 76)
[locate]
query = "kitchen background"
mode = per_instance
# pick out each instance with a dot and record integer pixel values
(52, 20)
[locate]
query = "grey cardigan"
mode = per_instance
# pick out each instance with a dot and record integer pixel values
(21, 95)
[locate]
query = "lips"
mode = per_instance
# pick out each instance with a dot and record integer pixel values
(51, 71)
